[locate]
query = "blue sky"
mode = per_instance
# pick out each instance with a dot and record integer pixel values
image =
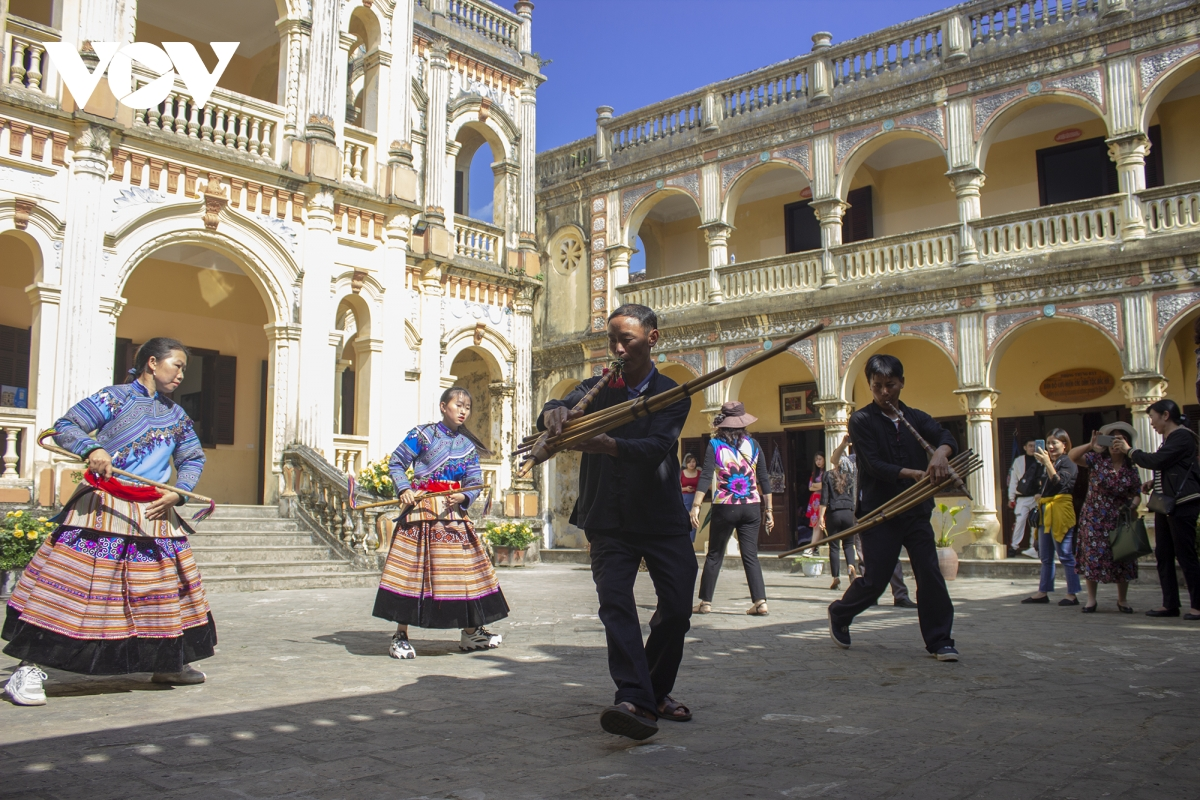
(631, 53)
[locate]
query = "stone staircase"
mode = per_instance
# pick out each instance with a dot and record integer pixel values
(252, 548)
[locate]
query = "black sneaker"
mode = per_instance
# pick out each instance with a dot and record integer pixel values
(904, 602)
(839, 633)
(946, 654)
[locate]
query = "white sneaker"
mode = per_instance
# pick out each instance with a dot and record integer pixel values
(25, 686)
(401, 648)
(188, 676)
(1030, 553)
(481, 639)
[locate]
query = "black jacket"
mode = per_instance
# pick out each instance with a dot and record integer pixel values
(638, 491)
(1174, 465)
(882, 450)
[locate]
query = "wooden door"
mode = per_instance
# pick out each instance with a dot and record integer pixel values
(775, 450)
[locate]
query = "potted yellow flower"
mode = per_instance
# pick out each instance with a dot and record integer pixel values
(508, 541)
(21, 534)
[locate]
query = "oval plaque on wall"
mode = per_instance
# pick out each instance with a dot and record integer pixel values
(1077, 385)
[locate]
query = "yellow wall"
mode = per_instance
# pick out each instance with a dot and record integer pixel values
(698, 423)
(32, 10)
(759, 389)
(16, 272)
(910, 197)
(1011, 168)
(256, 76)
(759, 228)
(674, 247)
(929, 377)
(1180, 366)
(1180, 120)
(216, 311)
(1044, 349)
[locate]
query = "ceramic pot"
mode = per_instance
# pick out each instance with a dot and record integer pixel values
(516, 557)
(813, 569)
(502, 556)
(948, 562)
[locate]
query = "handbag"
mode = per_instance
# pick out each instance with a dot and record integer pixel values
(1129, 540)
(1162, 502)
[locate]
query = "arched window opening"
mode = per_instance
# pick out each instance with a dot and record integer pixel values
(899, 188)
(768, 208)
(362, 71)
(478, 189)
(637, 262)
(671, 238)
(17, 270)
(1172, 133)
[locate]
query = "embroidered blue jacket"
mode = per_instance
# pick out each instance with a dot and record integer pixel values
(436, 453)
(144, 434)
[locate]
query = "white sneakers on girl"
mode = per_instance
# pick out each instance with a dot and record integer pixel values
(24, 687)
(481, 639)
(400, 648)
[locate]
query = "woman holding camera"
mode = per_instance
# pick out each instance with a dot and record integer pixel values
(1175, 503)
(1113, 487)
(1056, 518)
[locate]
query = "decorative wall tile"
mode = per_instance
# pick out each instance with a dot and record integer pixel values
(806, 351)
(847, 140)
(693, 361)
(597, 205)
(852, 343)
(1169, 306)
(630, 197)
(1106, 315)
(797, 155)
(732, 169)
(1089, 84)
(690, 183)
(931, 121)
(735, 354)
(996, 324)
(987, 107)
(941, 332)
(1152, 67)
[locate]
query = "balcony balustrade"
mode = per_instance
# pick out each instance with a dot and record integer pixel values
(794, 272)
(1077, 224)
(28, 64)
(670, 293)
(16, 440)
(478, 240)
(349, 453)
(892, 255)
(1170, 209)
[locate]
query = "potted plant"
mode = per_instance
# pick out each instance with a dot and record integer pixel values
(947, 557)
(509, 541)
(375, 479)
(21, 534)
(811, 567)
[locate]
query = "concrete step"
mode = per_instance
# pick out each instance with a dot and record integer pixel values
(276, 554)
(258, 512)
(259, 568)
(260, 539)
(261, 583)
(247, 525)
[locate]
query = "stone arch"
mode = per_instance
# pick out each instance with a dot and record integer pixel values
(1183, 320)
(362, 300)
(1036, 318)
(1164, 84)
(852, 370)
(637, 215)
(853, 160)
(41, 233)
(499, 353)
(744, 181)
(265, 261)
(366, 25)
(561, 389)
(997, 123)
(789, 364)
(495, 126)
(374, 20)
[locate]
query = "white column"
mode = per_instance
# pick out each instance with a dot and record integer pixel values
(368, 402)
(1129, 152)
(522, 377)
(431, 340)
(618, 272)
(339, 370)
(394, 309)
(293, 86)
(314, 415)
(716, 235)
(980, 405)
(1142, 383)
(326, 96)
(524, 10)
(829, 213)
(966, 184)
(438, 178)
(84, 358)
(283, 373)
(43, 346)
(527, 192)
(836, 415)
(714, 396)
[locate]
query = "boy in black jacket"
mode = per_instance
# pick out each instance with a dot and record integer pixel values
(631, 509)
(890, 459)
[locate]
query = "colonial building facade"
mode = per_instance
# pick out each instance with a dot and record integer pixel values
(305, 231)
(1004, 195)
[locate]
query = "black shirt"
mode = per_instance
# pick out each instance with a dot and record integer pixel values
(831, 498)
(883, 448)
(1174, 465)
(1064, 481)
(637, 491)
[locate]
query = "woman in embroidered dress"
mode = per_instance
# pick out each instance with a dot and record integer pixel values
(812, 512)
(735, 467)
(437, 573)
(1113, 486)
(114, 589)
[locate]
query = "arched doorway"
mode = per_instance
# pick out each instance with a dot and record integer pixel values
(477, 371)
(18, 268)
(668, 225)
(204, 298)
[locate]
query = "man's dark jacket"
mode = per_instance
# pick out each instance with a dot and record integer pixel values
(882, 451)
(639, 491)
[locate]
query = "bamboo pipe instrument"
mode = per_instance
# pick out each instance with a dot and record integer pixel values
(911, 497)
(197, 517)
(612, 372)
(929, 449)
(588, 426)
(419, 496)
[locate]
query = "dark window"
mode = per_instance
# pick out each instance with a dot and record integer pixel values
(459, 179)
(347, 421)
(1075, 171)
(220, 397)
(14, 356)
(1154, 161)
(802, 230)
(859, 221)
(123, 361)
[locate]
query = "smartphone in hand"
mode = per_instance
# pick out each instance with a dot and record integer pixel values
(1104, 440)
(1040, 444)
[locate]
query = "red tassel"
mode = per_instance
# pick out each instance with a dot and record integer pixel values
(619, 383)
(122, 491)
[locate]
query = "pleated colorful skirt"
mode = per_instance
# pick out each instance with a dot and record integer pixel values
(103, 603)
(438, 575)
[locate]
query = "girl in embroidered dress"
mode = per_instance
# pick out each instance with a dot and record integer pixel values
(114, 589)
(437, 573)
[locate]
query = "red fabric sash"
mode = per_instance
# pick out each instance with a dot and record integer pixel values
(122, 491)
(438, 486)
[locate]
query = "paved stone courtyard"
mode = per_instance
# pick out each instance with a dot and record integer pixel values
(303, 702)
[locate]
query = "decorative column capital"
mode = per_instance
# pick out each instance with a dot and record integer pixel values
(523, 301)
(966, 181)
(439, 53)
(619, 255)
(282, 332)
(829, 210)
(1143, 389)
(431, 276)
(717, 233)
(43, 294)
(979, 402)
(112, 306)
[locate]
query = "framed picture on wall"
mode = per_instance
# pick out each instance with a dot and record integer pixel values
(796, 403)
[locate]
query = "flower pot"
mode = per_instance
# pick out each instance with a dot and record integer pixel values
(516, 557)
(8, 581)
(812, 569)
(502, 556)
(948, 562)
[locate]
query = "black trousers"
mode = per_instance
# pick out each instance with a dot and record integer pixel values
(643, 673)
(745, 518)
(1175, 538)
(881, 555)
(835, 523)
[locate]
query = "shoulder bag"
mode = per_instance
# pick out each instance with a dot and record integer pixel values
(1164, 502)
(1129, 540)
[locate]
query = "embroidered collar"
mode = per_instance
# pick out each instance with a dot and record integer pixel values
(139, 387)
(445, 431)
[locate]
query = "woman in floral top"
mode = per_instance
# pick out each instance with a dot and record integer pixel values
(1113, 486)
